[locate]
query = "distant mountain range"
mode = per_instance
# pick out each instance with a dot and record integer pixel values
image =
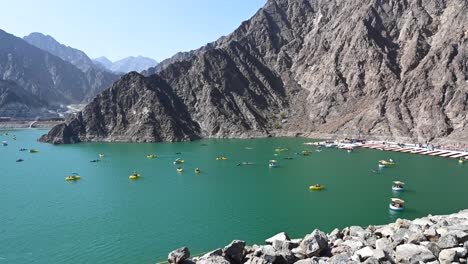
(126, 65)
(41, 73)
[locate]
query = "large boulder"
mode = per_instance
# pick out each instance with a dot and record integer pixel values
(235, 251)
(179, 255)
(410, 253)
(280, 237)
(447, 256)
(447, 241)
(213, 260)
(312, 244)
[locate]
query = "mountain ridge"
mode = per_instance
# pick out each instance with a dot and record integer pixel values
(127, 64)
(374, 69)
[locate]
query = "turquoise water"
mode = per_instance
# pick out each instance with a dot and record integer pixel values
(107, 218)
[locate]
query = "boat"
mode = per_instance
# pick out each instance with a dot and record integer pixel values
(197, 170)
(349, 150)
(306, 152)
(33, 151)
(96, 160)
(101, 155)
(461, 161)
(179, 161)
(4, 143)
(222, 158)
(318, 150)
(20, 160)
(382, 166)
(134, 176)
(23, 149)
(273, 163)
(397, 204)
(398, 186)
(73, 177)
(152, 156)
(316, 187)
(180, 170)
(280, 149)
(387, 162)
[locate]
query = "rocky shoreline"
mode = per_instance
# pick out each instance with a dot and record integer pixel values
(432, 239)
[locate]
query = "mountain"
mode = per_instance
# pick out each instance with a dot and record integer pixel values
(16, 102)
(49, 44)
(127, 64)
(98, 78)
(103, 62)
(377, 69)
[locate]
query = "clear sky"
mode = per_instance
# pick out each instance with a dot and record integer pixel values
(121, 28)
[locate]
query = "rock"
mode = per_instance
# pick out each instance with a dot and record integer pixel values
(431, 234)
(365, 253)
(353, 244)
(461, 252)
(280, 237)
(215, 260)
(313, 244)
(334, 235)
(340, 259)
(379, 254)
(423, 222)
(234, 251)
(385, 231)
(217, 252)
(268, 253)
(383, 244)
(447, 241)
(371, 260)
(447, 256)
(179, 255)
(459, 235)
(413, 253)
(434, 248)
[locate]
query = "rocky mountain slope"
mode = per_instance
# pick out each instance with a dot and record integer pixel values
(127, 64)
(433, 239)
(395, 69)
(18, 103)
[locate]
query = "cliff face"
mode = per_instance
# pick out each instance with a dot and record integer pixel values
(18, 103)
(370, 68)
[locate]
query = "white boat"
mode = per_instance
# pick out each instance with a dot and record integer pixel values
(397, 204)
(398, 186)
(273, 164)
(382, 166)
(4, 143)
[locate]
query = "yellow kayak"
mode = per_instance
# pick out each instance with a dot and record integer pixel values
(221, 158)
(385, 162)
(102, 155)
(73, 178)
(280, 150)
(134, 176)
(152, 156)
(197, 170)
(33, 151)
(179, 161)
(316, 188)
(180, 170)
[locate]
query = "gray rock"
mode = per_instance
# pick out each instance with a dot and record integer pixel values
(215, 260)
(447, 256)
(340, 259)
(461, 252)
(379, 254)
(268, 253)
(447, 241)
(280, 237)
(365, 253)
(179, 255)
(314, 243)
(384, 244)
(413, 253)
(434, 248)
(353, 244)
(235, 251)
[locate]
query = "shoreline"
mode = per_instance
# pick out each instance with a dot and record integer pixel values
(23, 124)
(431, 239)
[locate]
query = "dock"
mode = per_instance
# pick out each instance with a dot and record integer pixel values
(416, 150)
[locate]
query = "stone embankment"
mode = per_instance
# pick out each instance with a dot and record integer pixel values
(432, 239)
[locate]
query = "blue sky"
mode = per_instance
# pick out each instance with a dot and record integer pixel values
(120, 28)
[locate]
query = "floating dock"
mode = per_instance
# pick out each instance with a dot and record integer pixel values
(416, 150)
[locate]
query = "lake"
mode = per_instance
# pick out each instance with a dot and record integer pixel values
(107, 218)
